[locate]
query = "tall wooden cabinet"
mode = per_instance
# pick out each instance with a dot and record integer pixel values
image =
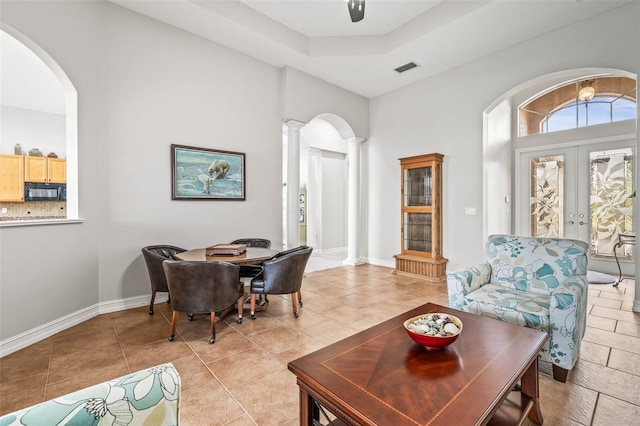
(421, 218)
(12, 178)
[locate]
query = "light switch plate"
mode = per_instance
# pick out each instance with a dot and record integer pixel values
(4, 210)
(470, 211)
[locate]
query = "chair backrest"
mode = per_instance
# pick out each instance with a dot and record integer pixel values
(283, 274)
(153, 257)
(200, 287)
(535, 264)
(253, 242)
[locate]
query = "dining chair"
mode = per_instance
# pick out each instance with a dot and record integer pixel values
(281, 275)
(153, 257)
(253, 242)
(202, 287)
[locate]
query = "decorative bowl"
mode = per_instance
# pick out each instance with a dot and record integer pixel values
(419, 328)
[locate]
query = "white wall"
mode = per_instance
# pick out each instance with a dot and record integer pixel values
(444, 114)
(142, 86)
(334, 211)
(32, 129)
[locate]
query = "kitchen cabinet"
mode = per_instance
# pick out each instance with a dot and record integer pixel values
(44, 169)
(12, 178)
(421, 218)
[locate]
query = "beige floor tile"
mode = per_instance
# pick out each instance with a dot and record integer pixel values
(592, 352)
(279, 340)
(155, 353)
(608, 324)
(244, 368)
(614, 383)
(625, 361)
(28, 361)
(97, 374)
(244, 420)
(607, 303)
(611, 411)
(22, 393)
(280, 406)
(227, 344)
(628, 328)
(208, 406)
(571, 403)
(627, 316)
(615, 340)
(66, 366)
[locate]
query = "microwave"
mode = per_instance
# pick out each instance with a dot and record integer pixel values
(34, 191)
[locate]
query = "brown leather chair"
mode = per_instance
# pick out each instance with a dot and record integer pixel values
(281, 275)
(202, 287)
(153, 257)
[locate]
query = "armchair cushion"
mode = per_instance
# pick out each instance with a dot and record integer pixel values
(150, 396)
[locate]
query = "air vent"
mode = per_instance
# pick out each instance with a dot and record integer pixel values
(406, 67)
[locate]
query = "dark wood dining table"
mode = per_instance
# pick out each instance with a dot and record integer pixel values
(253, 256)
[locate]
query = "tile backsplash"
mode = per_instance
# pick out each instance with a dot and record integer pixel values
(50, 209)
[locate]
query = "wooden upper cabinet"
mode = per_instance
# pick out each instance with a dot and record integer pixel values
(12, 178)
(44, 169)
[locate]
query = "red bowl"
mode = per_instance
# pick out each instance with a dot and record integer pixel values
(433, 343)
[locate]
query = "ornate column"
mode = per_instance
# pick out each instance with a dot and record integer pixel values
(293, 182)
(353, 206)
(314, 199)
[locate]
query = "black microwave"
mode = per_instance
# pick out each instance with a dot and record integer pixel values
(34, 191)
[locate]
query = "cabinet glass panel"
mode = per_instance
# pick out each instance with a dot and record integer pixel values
(417, 186)
(417, 231)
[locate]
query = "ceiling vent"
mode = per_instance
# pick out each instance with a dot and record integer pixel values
(406, 67)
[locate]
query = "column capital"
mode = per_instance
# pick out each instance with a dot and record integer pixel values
(294, 124)
(355, 139)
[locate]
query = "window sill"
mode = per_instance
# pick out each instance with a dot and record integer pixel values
(39, 222)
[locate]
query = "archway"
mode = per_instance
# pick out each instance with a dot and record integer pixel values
(70, 113)
(503, 148)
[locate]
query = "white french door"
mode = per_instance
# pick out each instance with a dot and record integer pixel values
(581, 192)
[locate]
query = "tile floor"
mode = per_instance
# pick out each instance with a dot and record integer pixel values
(243, 379)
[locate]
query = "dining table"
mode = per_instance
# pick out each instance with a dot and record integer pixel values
(252, 256)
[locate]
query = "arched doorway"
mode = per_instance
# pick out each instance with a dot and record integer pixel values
(328, 199)
(65, 104)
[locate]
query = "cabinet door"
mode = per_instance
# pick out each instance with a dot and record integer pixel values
(35, 169)
(12, 178)
(57, 170)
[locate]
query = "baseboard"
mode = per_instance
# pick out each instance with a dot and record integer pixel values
(380, 262)
(35, 335)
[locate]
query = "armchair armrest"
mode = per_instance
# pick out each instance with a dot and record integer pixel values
(461, 283)
(568, 317)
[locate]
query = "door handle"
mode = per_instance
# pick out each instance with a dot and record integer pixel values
(581, 223)
(571, 222)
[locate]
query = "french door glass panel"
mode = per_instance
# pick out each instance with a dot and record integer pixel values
(582, 192)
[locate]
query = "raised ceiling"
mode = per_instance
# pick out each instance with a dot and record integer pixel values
(318, 37)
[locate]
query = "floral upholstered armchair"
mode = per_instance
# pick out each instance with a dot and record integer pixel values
(538, 283)
(147, 397)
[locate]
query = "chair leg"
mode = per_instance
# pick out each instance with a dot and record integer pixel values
(560, 374)
(240, 303)
(174, 322)
(300, 297)
(253, 306)
(153, 298)
(213, 328)
(294, 304)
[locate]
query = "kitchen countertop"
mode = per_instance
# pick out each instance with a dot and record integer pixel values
(18, 218)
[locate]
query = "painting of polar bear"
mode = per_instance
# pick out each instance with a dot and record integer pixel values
(202, 173)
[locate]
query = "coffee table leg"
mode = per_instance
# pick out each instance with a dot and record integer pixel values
(530, 392)
(307, 408)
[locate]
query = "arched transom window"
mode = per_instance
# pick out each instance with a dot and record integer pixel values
(579, 103)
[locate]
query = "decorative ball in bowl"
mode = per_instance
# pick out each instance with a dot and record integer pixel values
(434, 331)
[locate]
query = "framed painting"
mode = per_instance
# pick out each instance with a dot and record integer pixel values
(207, 174)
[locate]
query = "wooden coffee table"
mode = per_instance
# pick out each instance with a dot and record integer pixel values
(382, 377)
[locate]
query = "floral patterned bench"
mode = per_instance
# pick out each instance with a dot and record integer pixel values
(146, 397)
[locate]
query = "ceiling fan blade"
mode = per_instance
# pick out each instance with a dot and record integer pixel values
(356, 10)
